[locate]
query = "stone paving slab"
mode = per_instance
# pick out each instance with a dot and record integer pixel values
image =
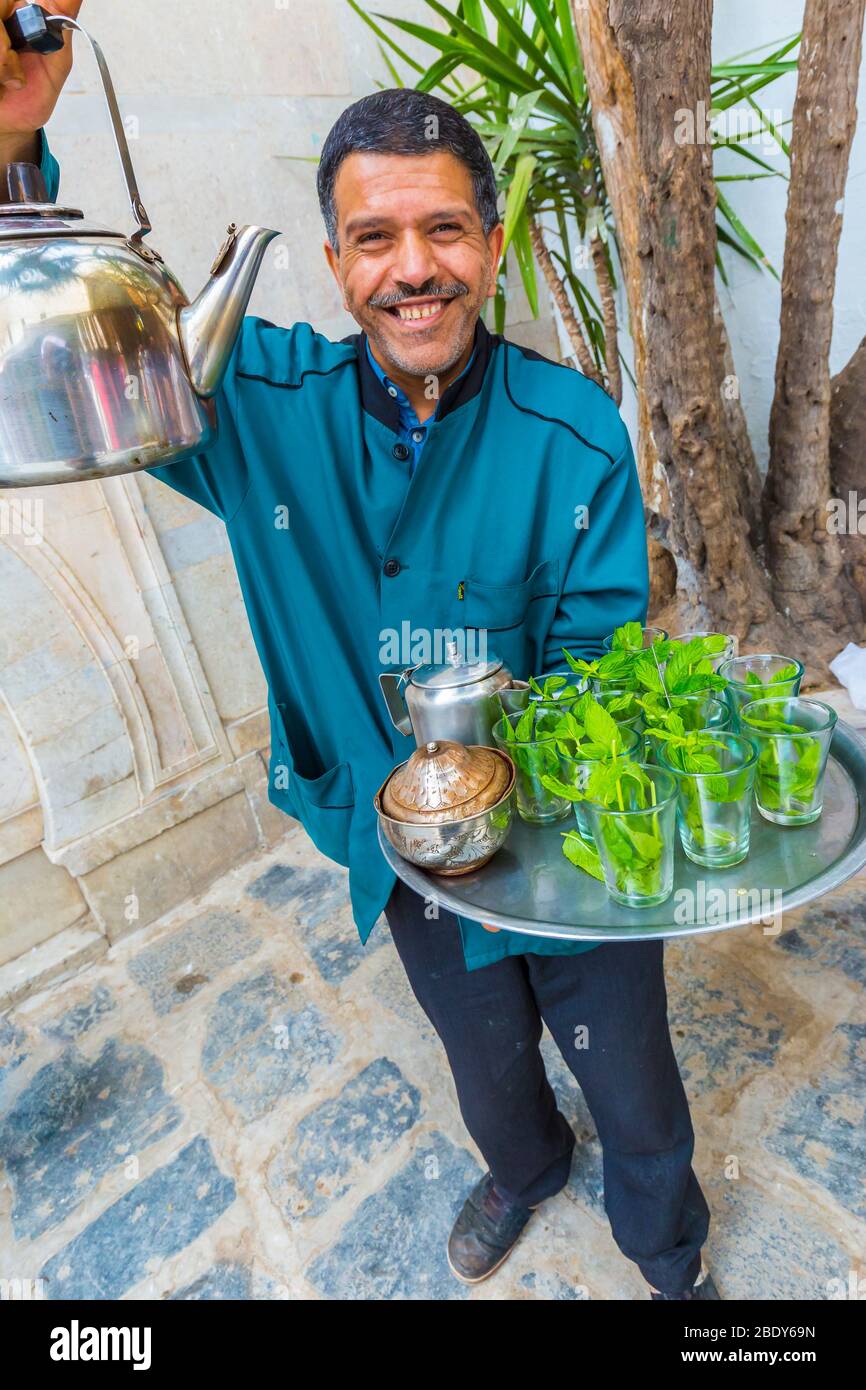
(163, 1213)
(820, 1128)
(77, 1120)
(242, 1102)
(318, 1160)
(263, 1042)
(393, 1246)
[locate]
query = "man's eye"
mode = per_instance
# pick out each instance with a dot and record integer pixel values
(368, 236)
(447, 227)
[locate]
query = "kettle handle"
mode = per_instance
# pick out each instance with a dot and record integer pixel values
(28, 32)
(392, 689)
(33, 30)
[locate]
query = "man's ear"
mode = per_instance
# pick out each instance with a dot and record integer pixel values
(495, 239)
(334, 262)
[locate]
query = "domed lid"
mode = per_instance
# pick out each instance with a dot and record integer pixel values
(35, 221)
(444, 675)
(445, 781)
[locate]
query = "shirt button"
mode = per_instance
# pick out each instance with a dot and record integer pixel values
(391, 568)
(392, 390)
(401, 451)
(417, 435)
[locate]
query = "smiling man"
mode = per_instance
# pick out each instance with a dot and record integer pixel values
(435, 474)
(420, 306)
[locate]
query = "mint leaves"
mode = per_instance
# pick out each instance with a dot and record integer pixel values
(631, 847)
(628, 638)
(667, 667)
(581, 752)
(787, 673)
(789, 767)
(601, 726)
(528, 742)
(582, 854)
(705, 825)
(554, 688)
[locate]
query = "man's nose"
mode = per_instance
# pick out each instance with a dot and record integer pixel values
(414, 262)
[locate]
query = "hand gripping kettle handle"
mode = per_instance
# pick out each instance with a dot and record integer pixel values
(33, 30)
(29, 31)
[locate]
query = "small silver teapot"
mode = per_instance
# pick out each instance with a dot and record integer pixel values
(105, 366)
(453, 701)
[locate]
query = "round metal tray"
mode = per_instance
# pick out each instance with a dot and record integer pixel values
(529, 886)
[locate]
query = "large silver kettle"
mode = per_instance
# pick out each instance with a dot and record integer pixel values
(105, 366)
(453, 700)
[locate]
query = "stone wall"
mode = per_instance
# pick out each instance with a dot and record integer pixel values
(133, 732)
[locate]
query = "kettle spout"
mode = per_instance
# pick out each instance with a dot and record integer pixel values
(209, 326)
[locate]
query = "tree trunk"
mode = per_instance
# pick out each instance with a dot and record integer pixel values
(648, 73)
(665, 52)
(615, 124)
(805, 557)
(608, 311)
(563, 303)
(738, 430)
(848, 470)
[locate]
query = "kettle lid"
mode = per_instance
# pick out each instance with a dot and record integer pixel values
(454, 671)
(33, 220)
(25, 210)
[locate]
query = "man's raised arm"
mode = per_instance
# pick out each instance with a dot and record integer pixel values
(29, 88)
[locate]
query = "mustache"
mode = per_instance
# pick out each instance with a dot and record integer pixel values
(427, 290)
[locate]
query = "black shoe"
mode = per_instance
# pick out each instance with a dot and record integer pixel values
(484, 1233)
(702, 1288)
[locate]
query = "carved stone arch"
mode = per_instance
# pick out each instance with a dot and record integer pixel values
(68, 711)
(96, 663)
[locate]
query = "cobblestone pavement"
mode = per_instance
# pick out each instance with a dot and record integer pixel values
(243, 1102)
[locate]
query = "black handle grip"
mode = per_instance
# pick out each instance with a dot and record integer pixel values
(30, 32)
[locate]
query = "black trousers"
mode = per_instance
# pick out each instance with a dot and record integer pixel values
(607, 1012)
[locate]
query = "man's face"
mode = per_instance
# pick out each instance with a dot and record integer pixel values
(414, 264)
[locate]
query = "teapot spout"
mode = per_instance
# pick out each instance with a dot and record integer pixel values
(209, 326)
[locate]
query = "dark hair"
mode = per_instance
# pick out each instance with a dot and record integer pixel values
(398, 121)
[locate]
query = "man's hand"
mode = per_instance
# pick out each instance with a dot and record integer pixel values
(30, 83)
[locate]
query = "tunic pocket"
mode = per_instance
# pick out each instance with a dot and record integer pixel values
(506, 612)
(322, 804)
(498, 606)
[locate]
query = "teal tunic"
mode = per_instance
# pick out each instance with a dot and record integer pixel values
(522, 519)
